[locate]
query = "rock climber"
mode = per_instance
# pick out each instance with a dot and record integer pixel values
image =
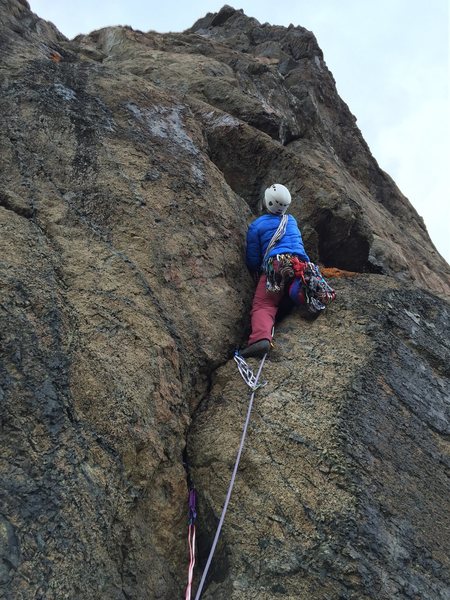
(274, 250)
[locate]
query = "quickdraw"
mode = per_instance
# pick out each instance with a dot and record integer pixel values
(309, 288)
(247, 373)
(281, 269)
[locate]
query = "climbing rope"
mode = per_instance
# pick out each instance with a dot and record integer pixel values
(279, 233)
(191, 540)
(254, 386)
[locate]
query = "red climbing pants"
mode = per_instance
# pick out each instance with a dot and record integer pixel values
(264, 310)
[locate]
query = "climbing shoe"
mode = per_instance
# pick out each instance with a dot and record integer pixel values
(257, 349)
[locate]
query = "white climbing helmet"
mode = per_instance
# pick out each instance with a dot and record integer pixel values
(277, 199)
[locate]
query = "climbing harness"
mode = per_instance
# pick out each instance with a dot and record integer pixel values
(192, 501)
(252, 381)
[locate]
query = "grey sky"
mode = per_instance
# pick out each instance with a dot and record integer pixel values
(390, 60)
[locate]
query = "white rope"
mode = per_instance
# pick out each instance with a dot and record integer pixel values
(230, 487)
(279, 233)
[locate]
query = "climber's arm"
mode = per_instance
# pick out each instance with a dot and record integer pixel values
(253, 252)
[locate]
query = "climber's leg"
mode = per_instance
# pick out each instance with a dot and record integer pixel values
(264, 310)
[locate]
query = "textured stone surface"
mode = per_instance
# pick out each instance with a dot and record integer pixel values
(114, 266)
(243, 79)
(342, 489)
(131, 164)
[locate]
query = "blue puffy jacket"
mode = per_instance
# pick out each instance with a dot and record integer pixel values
(260, 233)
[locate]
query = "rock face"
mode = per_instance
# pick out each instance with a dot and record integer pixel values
(274, 80)
(131, 165)
(342, 486)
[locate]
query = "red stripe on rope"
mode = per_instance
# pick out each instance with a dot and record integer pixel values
(191, 543)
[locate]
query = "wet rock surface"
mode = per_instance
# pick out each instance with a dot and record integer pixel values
(131, 165)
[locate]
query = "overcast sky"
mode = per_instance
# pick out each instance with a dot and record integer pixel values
(390, 60)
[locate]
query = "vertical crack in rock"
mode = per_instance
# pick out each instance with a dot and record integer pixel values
(319, 507)
(131, 165)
